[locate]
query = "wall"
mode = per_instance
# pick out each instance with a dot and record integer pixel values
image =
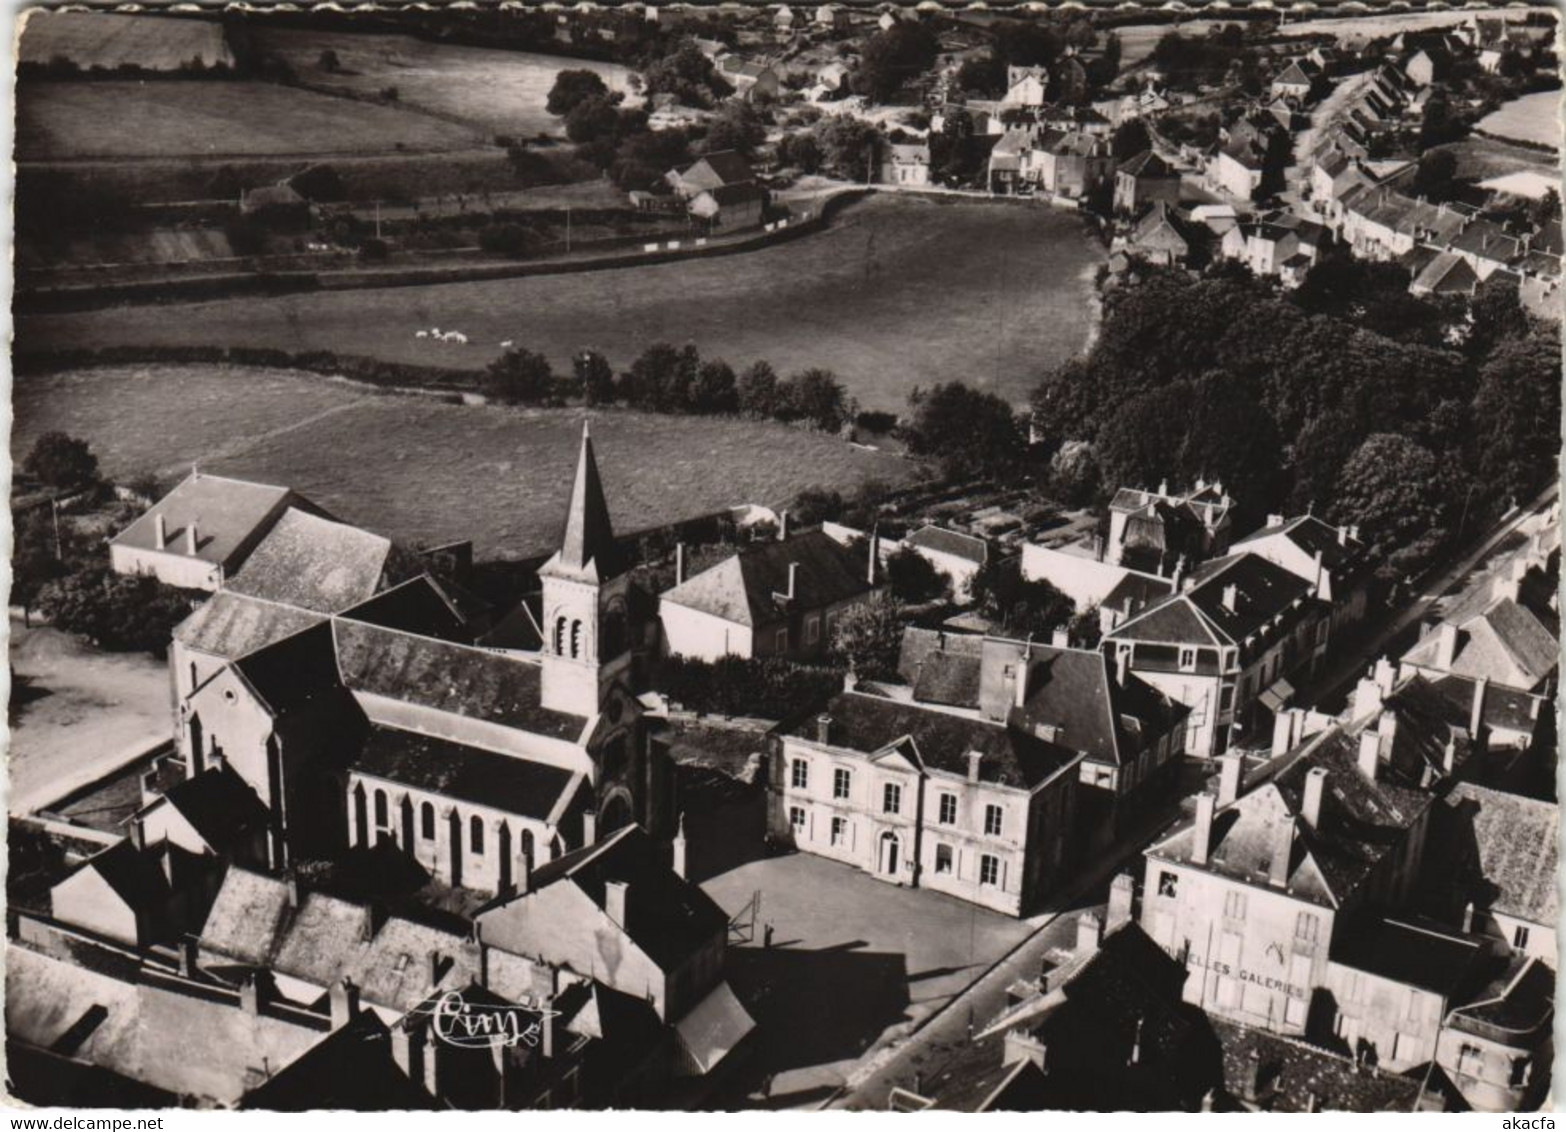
(168, 567)
(701, 636)
(1084, 580)
(86, 900)
(1397, 1022)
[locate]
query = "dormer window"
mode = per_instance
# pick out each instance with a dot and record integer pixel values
(1187, 660)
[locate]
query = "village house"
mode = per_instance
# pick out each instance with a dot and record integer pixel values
(1144, 179)
(1269, 887)
(1297, 80)
(197, 535)
(922, 797)
(1025, 87)
(710, 171)
(729, 207)
(1130, 737)
(1332, 558)
(906, 164)
(1165, 236)
(1225, 646)
(1442, 273)
(1250, 158)
(832, 16)
(1496, 1048)
(778, 598)
(953, 553)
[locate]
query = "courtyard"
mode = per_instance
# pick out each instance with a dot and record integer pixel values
(852, 961)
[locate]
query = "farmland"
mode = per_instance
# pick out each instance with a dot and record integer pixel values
(70, 121)
(502, 92)
(422, 471)
(1533, 118)
(107, 40)
(900, 291)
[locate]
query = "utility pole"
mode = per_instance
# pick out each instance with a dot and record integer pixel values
(59, 549)
(568, 229)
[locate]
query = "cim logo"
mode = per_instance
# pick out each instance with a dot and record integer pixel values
(469, 1025)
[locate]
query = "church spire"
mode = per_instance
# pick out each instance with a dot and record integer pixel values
(588, 546)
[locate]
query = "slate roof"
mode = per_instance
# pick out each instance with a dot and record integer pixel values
(1515, 850)
(742, 588)
(350, 1069)
(959, 545)
(1141, 589)
(228, 513)
(726, 163)
(448, 677)
(468, 774)
(1263, 591)
(419, 606)
(314, 563)
(1416, 955)
(920, 644)
(1312, 536)
(1294, 1074)
(246, 917)
(726, 195)
(1520, 998)
(1073, 691)
(231, 625)
(219, 805)
(291, 674)
(868, 723)
(666, 916)
(1148, 164)
(134, 874)
(1506, 644)
(1505, 708)
(1447, 273)
(950, 679)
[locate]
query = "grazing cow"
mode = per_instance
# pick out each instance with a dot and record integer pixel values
(435, 332)
(507, 344)
(421, 333)
(458, 337)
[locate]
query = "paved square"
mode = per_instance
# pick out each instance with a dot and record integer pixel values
(852, 958)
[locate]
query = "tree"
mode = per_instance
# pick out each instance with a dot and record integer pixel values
(968, 431)
(817, 396)
(63, 462)
(893, 56)
(1393, 490)
(595, 376)
(738, 127)
(1517, 414)
(328, 61)
(1073, 473)
(1433, 177)
(714, 390)
(816, 505)
(914, 579)
(1085, 629)
(869, 636)
(801, 151)
(758, 391)
(983, 75)
(687, 74)
(572, 88)
(116, 611)
(847, 145)
(519, 376)
(593, 119)
(1131, 138)
(1021, 607)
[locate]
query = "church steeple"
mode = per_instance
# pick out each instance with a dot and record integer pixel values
(587, 546)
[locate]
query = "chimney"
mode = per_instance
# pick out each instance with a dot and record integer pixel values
(1354, 532)
(1446, 645)
(1122, 666)
(873, 565)
(160, 537)
(1202, 833)
(1315, 784)
(1230, 768)
(783, 526)
(189, 956)
(1163, 487)
(679, 848)
(138, 833)
(1231, 597)
(1136, 1044)
(293, 890)
(679, 564)
(1449, 756)
(1022, 1046)
(1369, 753)
(192, 538)
(793, 581)
(614, 901)
(1122, 897)
(432, 1073)
(974, 759)
(1476, 713)
(589, 829)
(250, 995)
(824, 729)
(1468, 918)
(1274, 521)
(1282, 851)
(1060, 638)
(1321, 575)
(1090, 933)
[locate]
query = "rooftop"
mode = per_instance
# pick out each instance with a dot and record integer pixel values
(318, 564)
(228, 515)
(747, 588)
(230, 625)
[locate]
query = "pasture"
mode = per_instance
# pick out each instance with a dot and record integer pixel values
(900, 291)
(423, 471)
(73, 121)
(501, 92)
(109, 40)
(1533, 118)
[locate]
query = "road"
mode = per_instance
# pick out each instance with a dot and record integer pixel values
(1344, 670)
(1296, 178)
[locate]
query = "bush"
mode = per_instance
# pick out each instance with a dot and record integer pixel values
(117, 612)
(63, 462)
(869, 636)
(769, 688)
(506, 238)
(914, 579)
(519, 377)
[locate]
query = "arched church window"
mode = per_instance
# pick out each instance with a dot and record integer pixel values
(476, 834)
(527, 844)
(427, 821)
(560, 636)
(380, 807)
(576, 640)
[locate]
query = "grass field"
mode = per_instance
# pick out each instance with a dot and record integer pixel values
(1532, 118)
(1480, 158)
(503, 92)
(108, 40)
(901, 291)
(422, 471)
(65, 121)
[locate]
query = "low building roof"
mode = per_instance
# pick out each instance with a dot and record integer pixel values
(231, 625)
(465, 773)
(870, 724)
(219, 805)
(1203, 613)
(351, 1069)
(313, 563)
(1296, 1076)
(228, 514)
(1417, 955)
(746, 587)
(420, 606)
(955, 543)
(1514, 843)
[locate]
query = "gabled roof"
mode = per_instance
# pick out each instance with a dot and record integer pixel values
(1071, 692)
(1520, 999)
(1339, 552)
(351, 1069)
(313, 563)
(419, 605)
(219, 805)
(871, 724)
(293, 673)
(726, 164)
(1148, 164)
(228, 515)
(668, 917)
(465, 773)
(1419, 955)
(1296, 1074)
(1446, 274)
(587, 544)
(745, 587)
(230, 625)
(448, 677)
(134, 874)
(1506, 644)
(1515, 847)
(1262, 591)
(1140, 589)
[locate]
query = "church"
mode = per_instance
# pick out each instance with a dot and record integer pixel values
(387, 722)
